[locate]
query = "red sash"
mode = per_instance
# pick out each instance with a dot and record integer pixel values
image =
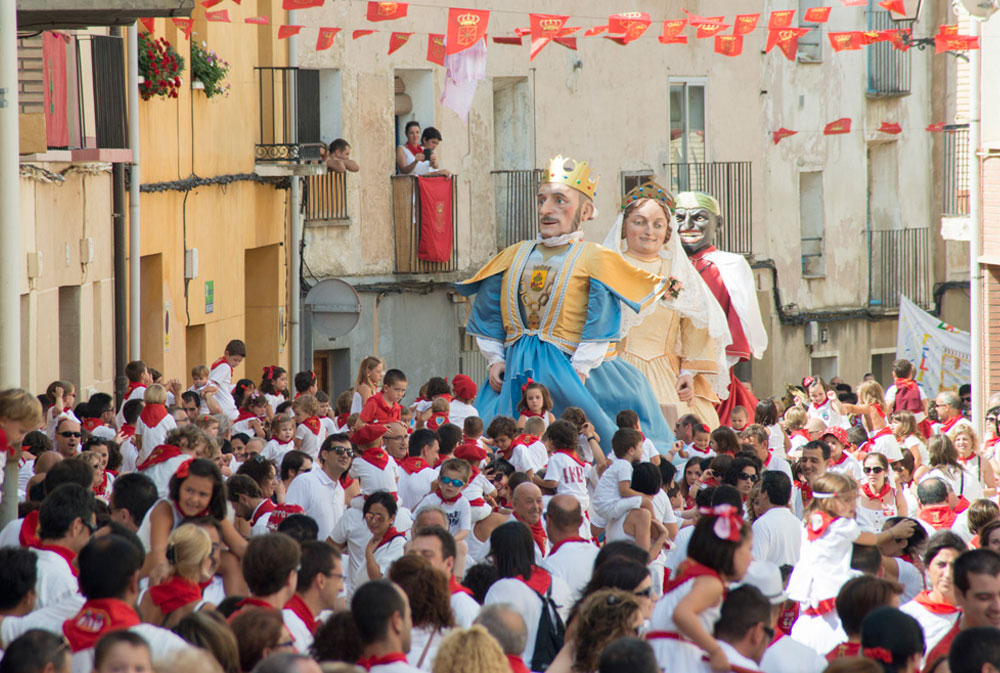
(176, 592)
(152, 414)
(160, 454)
(740, 346)
(96, 618)
(935, 607)
(689, 569)
(302, 611)
(370, 662)
(537, 532)
(539, 581)
(824, 607)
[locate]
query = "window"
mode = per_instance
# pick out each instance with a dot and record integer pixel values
(414, 100)
(319, 110)
(882, 366)
(810, 49)
(824, 366)
(687, 121)
(811, 223)
(632, 179)
(888, 67)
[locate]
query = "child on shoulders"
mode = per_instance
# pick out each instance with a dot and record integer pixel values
(221, 374)
(453, 479)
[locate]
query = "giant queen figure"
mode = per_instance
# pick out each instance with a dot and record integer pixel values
(548, 309)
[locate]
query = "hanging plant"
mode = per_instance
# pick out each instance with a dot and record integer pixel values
(208, 68)
(160, 66)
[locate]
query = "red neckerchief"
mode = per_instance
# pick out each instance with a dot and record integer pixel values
(946, 427)
(67, 555)
(160, 454)
(28, 537)
(346, 480)
(341, 419)
(962, 504)
(528, 413)
(455, 587)
(539, 581)
(413, 464)
(819, 521)
(572, 454)
(689, 569)
(174, 593)
(965, 461)
(302, 611)
(252, 602)
(265, 507)
(102, 488)
(222, 361)
(938, 516)
(127, 430)
(371, 662)
(770, 453)
(517, 664)
(843, 457)
(843, 651)
(152, 414)
(132, 385)
(788, 616)
(537, 532)
(867, 490)
(389, 536)
(90, 424)
(414, 149)
(445, 500)
(817, 407)
(556, 546)
(520, 440)
(935, 607)
(903, 384)
(313, 424)
(376, 456)
(244, 415)
(802, 433)
(703, 451)
(871, 440)
(96, 618)
(806, 490)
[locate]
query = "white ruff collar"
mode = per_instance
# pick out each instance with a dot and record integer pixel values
(561, 239)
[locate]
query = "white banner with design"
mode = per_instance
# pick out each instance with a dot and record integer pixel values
(941, 353)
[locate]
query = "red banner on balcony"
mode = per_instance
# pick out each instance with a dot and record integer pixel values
(435, 220)
(54, 71)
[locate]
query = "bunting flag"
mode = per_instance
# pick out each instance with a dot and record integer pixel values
(325, 38)
(259, 20)
(186, 25)
(937, 127)
(361, 33)
(208, 4)
(729, 45)
(568, 42)
(596, 30)
(466, 27)
(397, 40)
(890, 127)
(546, 28)
(629, 25)
(854, 3)
(291, 5)
(745, 24)
(943, 43)
(842, 125)
(435, 48)
(781, 134)
(696, 20)
(849, 41)
(386, 11)
(287, 31)
(786, 39)
(148, 23)
(220, 16)
(711, 28)
(672, 32)
(781, 19)
(816, 15)
(505, 40)
(893, 6)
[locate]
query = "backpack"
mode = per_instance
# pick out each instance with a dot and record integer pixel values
(550, 634)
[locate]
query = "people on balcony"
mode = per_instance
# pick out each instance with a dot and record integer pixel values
(419, 156)
(337, 158)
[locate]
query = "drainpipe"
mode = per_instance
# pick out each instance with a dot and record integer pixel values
(134, 250)
(11, 259)
(121, 279)
(975, 232)
(294, 196)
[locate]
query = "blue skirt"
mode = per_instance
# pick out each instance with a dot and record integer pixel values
(617, 385)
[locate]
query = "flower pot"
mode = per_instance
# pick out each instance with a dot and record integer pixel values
(197, 84)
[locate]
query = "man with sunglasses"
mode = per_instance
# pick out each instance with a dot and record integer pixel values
(319, 492)
(65, 525)
(67, 439)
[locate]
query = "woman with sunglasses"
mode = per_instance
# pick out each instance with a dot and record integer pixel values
(878, 499)
(743, 474)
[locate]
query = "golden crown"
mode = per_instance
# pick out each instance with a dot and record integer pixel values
(550, 24)
(386, 8)
(575, 174)
(467, 19)
(650, 190)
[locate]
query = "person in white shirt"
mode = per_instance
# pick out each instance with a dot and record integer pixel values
(744, 631)
(840, 460)
(461, 406)
(614, 496)
(320, 579)
(571, 556)
(438, 546)
(758, 437)
(777, 533)
(374, 468)
(221, 374)
(382, 614)
(319, 492)
(565, 473)
(66, 523)
(416, 471)
(370, 538)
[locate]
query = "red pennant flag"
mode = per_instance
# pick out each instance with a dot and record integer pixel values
(361, 33)
(435, 49)
(854, 3)
(436, 232)
(259, 20)
(672, 32)
(629, 25)
(568, 42)
(220, 16)
(849, 41)
(466, 27)
(291, 5)
(545, 28)
(729, 45)
(287, 31)
(185, 25)
(208, 4)
(893, 6)
(781, 18)
(596, 30)
(508, 40)
(148, 23)
(890, 127)
(386, 11)
(696, 20)
(781, 134)
(325, 38)
(745, 24)
(872, 36)
(842, 125)
(943, 43)
(901, 39)
(786, 39)
(711, 28)
(936, 127)
(617, 39)
(816, 15)
(397, 40)
(948, 30)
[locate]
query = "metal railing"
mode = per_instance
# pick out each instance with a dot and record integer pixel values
(888, 67)
(955, 170)
(107, 58)
(325, 197)
(278, 132)
(899, 263)
(730, 183)
(516, 212)
(407, 224)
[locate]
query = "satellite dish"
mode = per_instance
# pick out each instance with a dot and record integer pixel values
(334, 306)
(981, 9)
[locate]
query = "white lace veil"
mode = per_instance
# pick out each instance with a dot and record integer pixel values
(694, 301)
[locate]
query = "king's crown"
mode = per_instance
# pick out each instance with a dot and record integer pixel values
(575, 174)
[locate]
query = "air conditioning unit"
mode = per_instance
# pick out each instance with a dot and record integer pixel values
(812, 333)
(191, 264)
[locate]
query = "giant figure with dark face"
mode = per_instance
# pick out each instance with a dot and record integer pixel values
(729, 277)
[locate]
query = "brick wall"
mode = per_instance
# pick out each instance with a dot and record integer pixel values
(30, 79)
(991, 207)
(991, 326)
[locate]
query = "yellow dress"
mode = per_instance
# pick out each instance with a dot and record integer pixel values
(663, 344)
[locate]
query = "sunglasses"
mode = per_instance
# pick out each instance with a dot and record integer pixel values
(451, 482)
(342, 450)
(752, 478)
(874, 470)
(69, 434)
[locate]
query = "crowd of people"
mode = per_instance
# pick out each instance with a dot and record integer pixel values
(254, 527)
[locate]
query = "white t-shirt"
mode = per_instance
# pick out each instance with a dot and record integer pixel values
(573, 561)
(607, 492)
(459, 511)
(777, 537)
(570, 474)
(56, 579)
(222, 376)
(321, 497)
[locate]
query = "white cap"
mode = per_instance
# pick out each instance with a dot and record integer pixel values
(766, 577)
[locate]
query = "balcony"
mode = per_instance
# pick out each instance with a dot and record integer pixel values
(955, 171)
(516, 212)
(888, 67)
(408, 223)
(899, 263)
(731, 184)
(278, 150)
(325, 199)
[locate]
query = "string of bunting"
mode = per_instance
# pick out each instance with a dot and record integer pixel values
(843, 126)
(466, 27)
